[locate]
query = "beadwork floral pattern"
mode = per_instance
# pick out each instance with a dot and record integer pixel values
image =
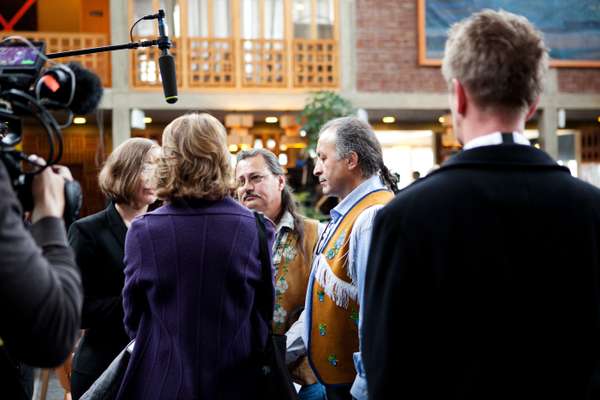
(284, 252)
(332, 360)
(354, 315)
(321, 295)
(339, 243)
(322, 329)
(281, 285)
(279, 315)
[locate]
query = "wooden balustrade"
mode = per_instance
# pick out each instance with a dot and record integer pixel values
(144, 61)
(99, 63)
(264, 63)
(315, 63)
(212, 62)
(257, 63)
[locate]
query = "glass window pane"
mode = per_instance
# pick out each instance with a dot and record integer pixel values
(172, 17)
(273, 19)
(141, 8)
(301, 16)
(250, 19)
(221, 18)
(325, 19)
(197, 18)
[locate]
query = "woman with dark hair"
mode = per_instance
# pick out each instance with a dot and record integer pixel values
(194, 297)
(98, 241)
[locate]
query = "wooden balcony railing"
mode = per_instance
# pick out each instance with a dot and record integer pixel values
(315, 63)
(264, 63)
(99, 63)
(209, 63)
(249, 63)
(212, 62)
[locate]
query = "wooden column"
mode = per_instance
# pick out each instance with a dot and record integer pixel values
(239, 126)
(291, 140)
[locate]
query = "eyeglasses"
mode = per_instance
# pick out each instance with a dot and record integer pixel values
(149, 168)
(148, 171)
(254, 179)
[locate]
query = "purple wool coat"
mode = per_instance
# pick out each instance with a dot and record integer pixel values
(192, 295)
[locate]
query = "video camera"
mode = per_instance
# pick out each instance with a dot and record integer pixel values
(27, 89)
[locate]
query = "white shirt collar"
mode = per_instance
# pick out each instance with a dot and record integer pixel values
(494, 139)
(366, 187)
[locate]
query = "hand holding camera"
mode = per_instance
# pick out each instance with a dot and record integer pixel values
(48, 190)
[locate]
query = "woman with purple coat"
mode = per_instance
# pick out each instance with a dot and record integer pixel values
(193, 288)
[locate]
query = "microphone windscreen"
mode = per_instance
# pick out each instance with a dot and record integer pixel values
(169, 80)
(88, 90)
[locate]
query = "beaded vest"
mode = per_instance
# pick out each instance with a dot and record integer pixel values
(333, 334)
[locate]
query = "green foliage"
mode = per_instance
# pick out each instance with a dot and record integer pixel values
(306, 205)
(320, 108)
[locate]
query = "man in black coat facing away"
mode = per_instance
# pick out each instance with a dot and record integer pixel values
(484, 277)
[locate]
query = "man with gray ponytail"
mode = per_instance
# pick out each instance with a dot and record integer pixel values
(261, 187)
(350, 167)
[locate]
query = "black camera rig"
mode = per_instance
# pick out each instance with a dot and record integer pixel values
(29, 89)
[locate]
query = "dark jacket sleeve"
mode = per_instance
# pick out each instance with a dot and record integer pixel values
(98, 311)
(264, 299)
(40, 288)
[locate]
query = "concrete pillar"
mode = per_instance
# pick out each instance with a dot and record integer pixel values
(121, 129)
(119, 33)
(548, 124)
(347, 46)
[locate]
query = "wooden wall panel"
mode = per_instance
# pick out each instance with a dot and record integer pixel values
(80, 148)
(590, 144)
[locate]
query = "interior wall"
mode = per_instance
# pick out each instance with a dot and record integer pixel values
(59, 15)
(80, 153)
(95, 16)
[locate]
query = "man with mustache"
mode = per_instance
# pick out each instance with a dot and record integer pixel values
(261, 187)
(350, 167)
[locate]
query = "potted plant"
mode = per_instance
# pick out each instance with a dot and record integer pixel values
(321, 107)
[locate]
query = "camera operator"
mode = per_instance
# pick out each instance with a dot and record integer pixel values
(40, 288)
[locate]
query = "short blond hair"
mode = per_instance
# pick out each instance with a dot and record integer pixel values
(499, 57)
(119, 178)
(195, 162)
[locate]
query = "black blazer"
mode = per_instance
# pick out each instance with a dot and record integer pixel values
(98, 241)
(483, 282)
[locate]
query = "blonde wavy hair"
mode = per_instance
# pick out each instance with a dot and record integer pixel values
(195, 160)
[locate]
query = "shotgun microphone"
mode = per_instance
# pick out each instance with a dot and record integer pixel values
(166, 64)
